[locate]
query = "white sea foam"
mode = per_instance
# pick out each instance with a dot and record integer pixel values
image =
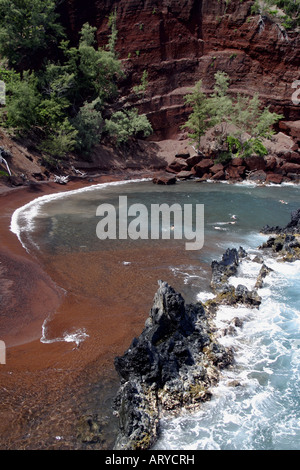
(247, 183)
(263, 412)
(269, 184)
(247, 274)
(77, 336)
(204, 296)
(22, 219)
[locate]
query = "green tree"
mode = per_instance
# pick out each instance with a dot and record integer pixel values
(142, 87)
(22, 101)
(57, 80)
(112, 40)
(28, 31)
(8, 75)
(252, 122)
(220, 102)
(252, 119)
(89, 124)
(125, 124)
(198, 121)
(51, 111)
(60, 140)
(93, 71)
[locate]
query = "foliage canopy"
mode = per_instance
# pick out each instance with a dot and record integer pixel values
(67, 97)
(284, 12)
(242, 121)
(28, 28)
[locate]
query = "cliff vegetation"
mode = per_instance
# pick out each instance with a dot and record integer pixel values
(86, 80)
(65, 97)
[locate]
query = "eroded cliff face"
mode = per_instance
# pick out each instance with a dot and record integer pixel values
(180, 42)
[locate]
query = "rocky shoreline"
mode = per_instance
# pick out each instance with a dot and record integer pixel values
(285, 241)
(166, 162)
(172, 365)
(177, 358)
(281, 165)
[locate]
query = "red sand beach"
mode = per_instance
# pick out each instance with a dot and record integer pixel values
(50, 392)
(40, 405)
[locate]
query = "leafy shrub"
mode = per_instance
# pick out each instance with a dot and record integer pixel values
(125, 124)
(245, 114)
(22, 101)
(60, 140)
(28, 30)
(88, 124)
(142, 87)
(51, 111)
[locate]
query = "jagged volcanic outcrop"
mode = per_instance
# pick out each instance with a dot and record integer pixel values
(172, 364)
(292, 227)
(177, 358)
(285, 241)
(225, 292)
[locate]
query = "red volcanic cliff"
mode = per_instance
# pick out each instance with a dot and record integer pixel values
(181, 41)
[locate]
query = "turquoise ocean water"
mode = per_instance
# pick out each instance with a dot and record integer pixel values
(256, 405)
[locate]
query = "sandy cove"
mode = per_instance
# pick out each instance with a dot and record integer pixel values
(20, 274)
(47, 389)
(38, 381)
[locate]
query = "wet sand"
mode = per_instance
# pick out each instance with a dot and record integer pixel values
(44, 387)
(52, 394)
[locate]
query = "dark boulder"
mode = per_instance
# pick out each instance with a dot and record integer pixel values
(255, 163)
(185, 175)
(222, 270)
(164, 179)
(285, 246)
(274, 178)
(193, 160)
(171, 365)
(179, 164)
(293, 227)
(258, 176)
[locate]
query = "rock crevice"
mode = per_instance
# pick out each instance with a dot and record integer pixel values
(178, 358)
(172, 365)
